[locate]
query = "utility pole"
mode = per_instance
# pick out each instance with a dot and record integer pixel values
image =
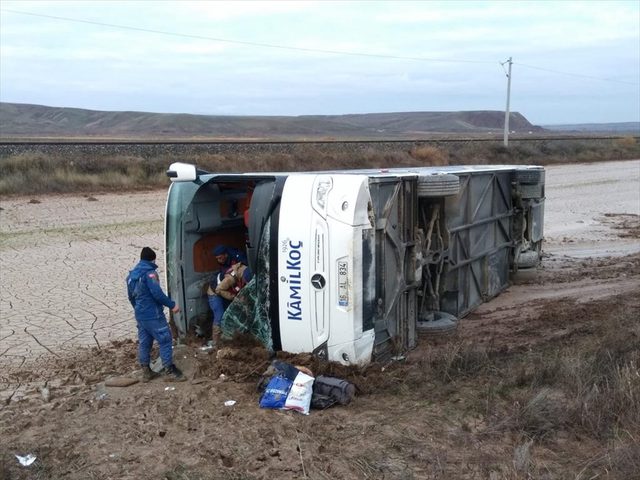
(506, 113)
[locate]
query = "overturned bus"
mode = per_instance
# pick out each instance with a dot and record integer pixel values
(349, 265)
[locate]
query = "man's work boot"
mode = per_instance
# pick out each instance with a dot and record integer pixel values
(216, 334)
(148, 374)
(174, 373)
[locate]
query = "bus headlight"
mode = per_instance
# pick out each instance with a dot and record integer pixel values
(321, 352)
(322, 187)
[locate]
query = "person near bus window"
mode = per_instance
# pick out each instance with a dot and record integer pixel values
(228, 256)
(220, 291)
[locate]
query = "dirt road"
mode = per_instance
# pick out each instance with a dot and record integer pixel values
(585, 206)
(451, 411)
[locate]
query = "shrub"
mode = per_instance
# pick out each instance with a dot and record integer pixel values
(626, 142)
(543, 413)
(600, 384)
(607, 394)
(460, 360)
(430, 155)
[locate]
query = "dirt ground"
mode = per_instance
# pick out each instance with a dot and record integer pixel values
(507, 396)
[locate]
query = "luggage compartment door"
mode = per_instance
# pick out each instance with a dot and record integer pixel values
(478, 220)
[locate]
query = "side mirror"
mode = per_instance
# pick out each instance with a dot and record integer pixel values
(182, 172)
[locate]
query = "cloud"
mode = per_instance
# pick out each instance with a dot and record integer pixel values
(241, 10)
(96, 65)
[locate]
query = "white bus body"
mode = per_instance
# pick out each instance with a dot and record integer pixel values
(353, 262)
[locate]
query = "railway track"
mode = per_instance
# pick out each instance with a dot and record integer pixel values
(518, 139)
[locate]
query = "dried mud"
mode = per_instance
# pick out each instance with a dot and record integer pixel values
(452, 408)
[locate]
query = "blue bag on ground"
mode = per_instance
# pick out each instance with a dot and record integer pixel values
(275, 395)
(277, 368)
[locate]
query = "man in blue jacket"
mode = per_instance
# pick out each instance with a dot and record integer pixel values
(148, 300)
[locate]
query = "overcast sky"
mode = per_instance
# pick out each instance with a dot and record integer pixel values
(574, 62)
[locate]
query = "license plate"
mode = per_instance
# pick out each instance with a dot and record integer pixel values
(343, 284)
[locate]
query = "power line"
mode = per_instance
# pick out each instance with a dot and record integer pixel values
(242, 42)
(301, 49)
(576, 74)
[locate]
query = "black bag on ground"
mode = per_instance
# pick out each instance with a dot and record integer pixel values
(340, 391)
(320, 402)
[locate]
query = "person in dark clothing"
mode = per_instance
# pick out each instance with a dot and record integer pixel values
(228, 256)
(229, 260)
(148, 300)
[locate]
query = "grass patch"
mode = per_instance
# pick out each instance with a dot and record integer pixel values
(586, 385)
(461, 360)
(70, 171)
(588, 388)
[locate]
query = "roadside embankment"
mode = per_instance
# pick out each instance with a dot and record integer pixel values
(39, 168)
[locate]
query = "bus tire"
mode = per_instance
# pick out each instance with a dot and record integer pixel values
(438, 323)
(532, 190)
(528, 259)
(439, 185)
(530, 175)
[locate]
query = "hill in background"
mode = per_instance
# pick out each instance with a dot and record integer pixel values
(24, 120)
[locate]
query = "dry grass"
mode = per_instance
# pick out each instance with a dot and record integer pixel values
(584, 388)
(33, 173)
(622, 460)
(541, 413)
(430, 155)
(606, 389)
(37, 173)
(626, 142)
(461, 360)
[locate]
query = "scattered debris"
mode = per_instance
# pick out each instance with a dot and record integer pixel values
(101, 393)
(120, 382)
(156, 365)
(26, 460)
(229, 403)
(288, 387)
(45, 392)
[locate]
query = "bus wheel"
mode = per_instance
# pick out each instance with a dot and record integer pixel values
(530, 175)
(528, 259)
(440, 185)
(437, 323)
(533, 190)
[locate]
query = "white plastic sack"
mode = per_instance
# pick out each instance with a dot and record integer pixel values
(299, 398)
(26, 460)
